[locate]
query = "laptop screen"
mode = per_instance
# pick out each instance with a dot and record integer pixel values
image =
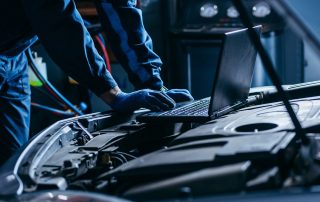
(235, 70)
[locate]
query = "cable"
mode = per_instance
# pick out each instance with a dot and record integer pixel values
(138, 5)
(104, 51)
(35, 70)
(268, 65)
(53, 110)
(95, 30)
(126, 154)
(117, 158)
(50, 87)
(50, 96)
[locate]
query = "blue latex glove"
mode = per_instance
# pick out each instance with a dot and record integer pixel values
(150, 99)
(179, 95)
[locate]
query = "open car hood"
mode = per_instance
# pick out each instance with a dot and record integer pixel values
(253, 149)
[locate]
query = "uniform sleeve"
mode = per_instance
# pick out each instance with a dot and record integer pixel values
(130, 42)
(60, 29)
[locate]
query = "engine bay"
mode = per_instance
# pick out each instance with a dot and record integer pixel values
(253, 149)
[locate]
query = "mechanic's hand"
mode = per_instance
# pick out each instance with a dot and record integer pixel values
(179, 95)
(150, 99)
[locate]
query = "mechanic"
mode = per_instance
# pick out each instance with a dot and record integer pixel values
(60, 29)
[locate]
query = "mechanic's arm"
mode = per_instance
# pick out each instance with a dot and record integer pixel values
(60, 29)
(130, 42)
(132, 45)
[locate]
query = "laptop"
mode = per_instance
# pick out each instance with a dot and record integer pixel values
(230, 87)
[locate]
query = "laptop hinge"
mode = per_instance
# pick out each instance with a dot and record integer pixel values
(228, 109)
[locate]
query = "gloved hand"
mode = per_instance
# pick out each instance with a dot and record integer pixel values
(179, 95)
(150, 99)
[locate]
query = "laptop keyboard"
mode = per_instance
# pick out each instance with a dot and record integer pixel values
(198, 108)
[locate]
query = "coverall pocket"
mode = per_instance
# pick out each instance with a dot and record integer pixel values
(14, 82)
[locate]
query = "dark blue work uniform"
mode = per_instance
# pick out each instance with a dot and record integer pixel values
(130, 42)
(60, 29)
